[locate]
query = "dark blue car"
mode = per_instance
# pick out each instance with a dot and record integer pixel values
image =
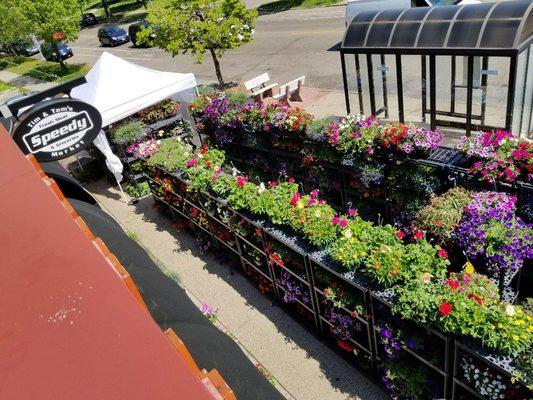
(112, 35)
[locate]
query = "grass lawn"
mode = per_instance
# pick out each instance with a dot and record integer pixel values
(4, 86)
(282, 5)
(123, 10)
(48, 71)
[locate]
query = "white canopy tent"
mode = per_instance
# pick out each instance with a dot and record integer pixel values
(119, 88)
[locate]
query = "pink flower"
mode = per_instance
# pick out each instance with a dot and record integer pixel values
(291, 180)
(453, 284)
(352, 212)
(314, 193)
(192, 163)
(335, 220)
(442, 253)
(419, 235)
(311, 202)
(343, 223)
(400, 234)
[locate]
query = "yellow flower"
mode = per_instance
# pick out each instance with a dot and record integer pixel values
(469, 268)
(516, 337)
(500, 325)
(301, 204)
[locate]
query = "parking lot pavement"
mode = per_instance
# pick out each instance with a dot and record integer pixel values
(287, 45)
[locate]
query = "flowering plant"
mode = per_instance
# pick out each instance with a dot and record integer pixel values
(293, 289)
(491, 233)
(467, 304)
(341, 297)
(163, 110)
(443, 213)
(354, 134)
(144, 149)
(408, 139)
(498, 155)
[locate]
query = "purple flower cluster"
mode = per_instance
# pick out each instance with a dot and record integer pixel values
(371, 174)
(491, 233)
(344, 325)
(293, 289)
(391, 345)
(423, 139)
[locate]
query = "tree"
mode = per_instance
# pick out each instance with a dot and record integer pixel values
(53, 20)
(105, 4)
(11, 11)
(201, 26)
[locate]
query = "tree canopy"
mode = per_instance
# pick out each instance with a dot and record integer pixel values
(201, 26)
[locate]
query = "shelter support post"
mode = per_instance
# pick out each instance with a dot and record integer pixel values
(370, 70)
(510, 93)
(384, 82)
(432, 93)
(452, 88)
(424, 100)
(484, 82)
(345, 83)
(359, 84)
(469, 92)
(399, 84)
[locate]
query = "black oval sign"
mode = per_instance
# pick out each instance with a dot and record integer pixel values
(57, 128)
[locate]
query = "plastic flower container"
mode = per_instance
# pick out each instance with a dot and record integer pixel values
(480, 374)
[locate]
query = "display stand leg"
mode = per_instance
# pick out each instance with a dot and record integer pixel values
(131, 201)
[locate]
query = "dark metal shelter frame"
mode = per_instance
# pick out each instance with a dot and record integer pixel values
(474, 33)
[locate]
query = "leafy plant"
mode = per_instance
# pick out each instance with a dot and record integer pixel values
(166, 109)
(443, 213)
(127, 132)
(138, 190)
(173, 155)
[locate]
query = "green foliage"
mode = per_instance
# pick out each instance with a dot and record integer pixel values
(127, 132)
(474, 310)
(166, 109)
(242, 197)
(282, 5)
(11, 11)
(138, 190)
(276, 202)
(319, 127)
(201, 26)
(172, 155)
(47, 17)
(443, 213)
(238, 98)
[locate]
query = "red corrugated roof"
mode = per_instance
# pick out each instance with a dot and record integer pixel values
(69, 327)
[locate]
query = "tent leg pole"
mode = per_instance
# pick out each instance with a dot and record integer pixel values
(132, 201)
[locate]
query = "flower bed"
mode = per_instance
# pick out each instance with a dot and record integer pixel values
(365, 256)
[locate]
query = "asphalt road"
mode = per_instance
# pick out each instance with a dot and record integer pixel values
(286, 45)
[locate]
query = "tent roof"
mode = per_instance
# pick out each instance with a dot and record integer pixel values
(119, 88)
(482, 28)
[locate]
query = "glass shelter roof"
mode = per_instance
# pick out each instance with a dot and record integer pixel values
(490, 28)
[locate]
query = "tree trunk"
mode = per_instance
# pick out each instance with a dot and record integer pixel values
(60, 58)
(217, 68)
(106, 9)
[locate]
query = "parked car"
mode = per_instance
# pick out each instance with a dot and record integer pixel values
(51, 53)
(88, 19)
(135, 28)
(112, 35)
(22, 47)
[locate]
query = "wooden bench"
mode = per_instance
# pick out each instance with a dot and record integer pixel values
(259, 86)
(291, 90)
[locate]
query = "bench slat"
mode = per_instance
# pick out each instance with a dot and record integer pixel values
(257, 81)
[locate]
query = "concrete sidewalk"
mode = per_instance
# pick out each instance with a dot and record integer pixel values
(28, 82)
(304, 367)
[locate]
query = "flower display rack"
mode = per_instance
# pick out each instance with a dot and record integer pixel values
(399, 341)
(133, 171)
(478, 374)
(350, 314)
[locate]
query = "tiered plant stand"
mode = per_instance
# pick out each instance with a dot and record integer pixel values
(295, 274)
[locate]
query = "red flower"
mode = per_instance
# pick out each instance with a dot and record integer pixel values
(400, 234)
(241, 181)
(345, 345)
(294, 199)
(478, 299)
(453, 283)
(58, 35)
(419, 235)
(291, 180)
(445, 309)
(442, 253)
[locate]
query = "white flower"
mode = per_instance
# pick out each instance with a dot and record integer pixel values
(509, 309)
(240, 37)
(262, 188)
(347, 234)
(246, 26)
(318, 213)
(234, 171)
